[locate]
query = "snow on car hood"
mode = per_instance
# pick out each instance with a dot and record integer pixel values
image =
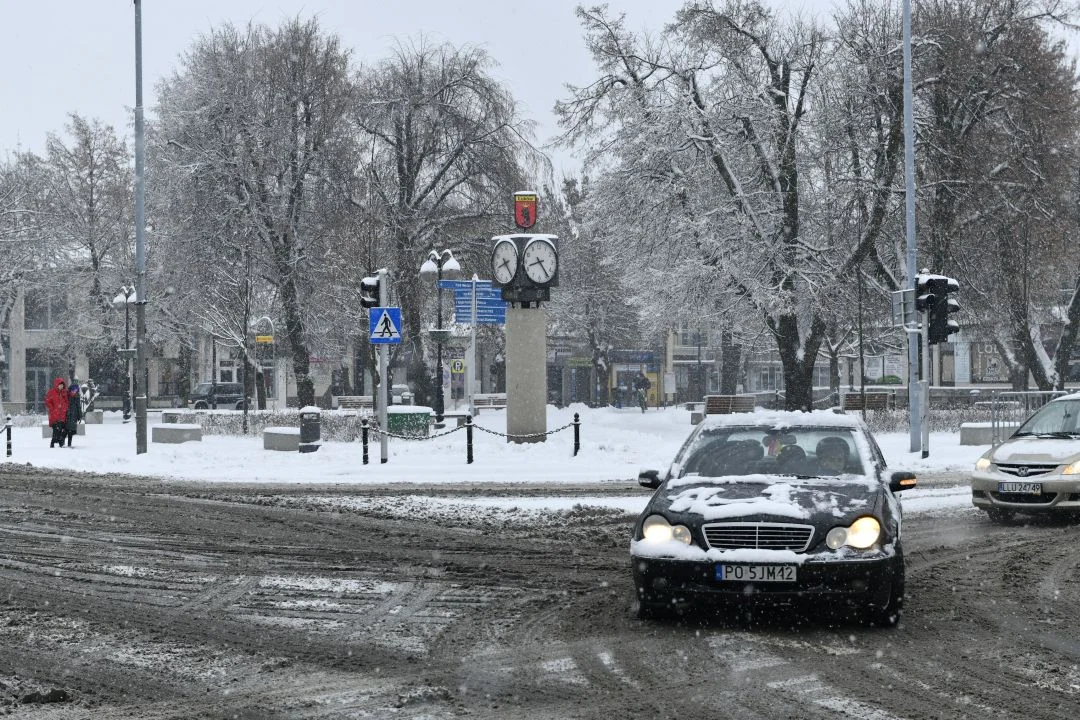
(758, 495)
(1037, 450)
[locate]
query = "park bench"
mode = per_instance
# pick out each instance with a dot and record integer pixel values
(170, 417)
(176, 433)
(489, 400)
(873, 401)
(281, 438)
(355, 402)
(725, 404)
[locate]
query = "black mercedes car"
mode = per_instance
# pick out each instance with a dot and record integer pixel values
(773, 507)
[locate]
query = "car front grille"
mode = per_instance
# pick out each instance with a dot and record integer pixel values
(1026, 469)
(758, 536)
(1044, 499)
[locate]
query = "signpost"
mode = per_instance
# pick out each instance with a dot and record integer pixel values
(476, 302)
(384, 325)
(490, 307)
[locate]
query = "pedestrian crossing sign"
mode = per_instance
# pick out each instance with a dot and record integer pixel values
(384, 325)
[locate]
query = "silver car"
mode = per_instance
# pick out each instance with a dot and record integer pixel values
(1037, 470)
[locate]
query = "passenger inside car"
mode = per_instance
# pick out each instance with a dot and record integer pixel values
(791, 461)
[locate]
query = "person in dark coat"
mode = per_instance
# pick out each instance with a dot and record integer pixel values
(56, 403)
(74, 412)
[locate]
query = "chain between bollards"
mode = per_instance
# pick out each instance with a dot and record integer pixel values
(7, 426)
(469, 425)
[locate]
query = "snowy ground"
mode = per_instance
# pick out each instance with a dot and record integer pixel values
(615, 445)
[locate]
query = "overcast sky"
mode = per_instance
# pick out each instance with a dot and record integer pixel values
(66, 56)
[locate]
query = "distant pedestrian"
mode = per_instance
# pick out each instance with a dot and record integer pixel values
(74, 412)
(641, 390)
(56, 403)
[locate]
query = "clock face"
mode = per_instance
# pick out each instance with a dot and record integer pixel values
(504, 261)
(540, 261)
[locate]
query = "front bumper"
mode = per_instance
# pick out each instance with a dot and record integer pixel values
(850, 580)
(1060, 493)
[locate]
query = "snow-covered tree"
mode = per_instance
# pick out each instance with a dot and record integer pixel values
(88, 218)
(256, 117)
(443, 147)
(711, 144)
(998, 123)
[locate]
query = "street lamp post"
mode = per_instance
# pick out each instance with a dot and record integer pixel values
(700, 380)
(127, 292)
(439, 263)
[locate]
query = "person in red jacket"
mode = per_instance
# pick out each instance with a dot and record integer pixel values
(56, 402)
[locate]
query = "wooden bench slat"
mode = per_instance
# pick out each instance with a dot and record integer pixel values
(874, 401)
(355, 402)
(725, 404)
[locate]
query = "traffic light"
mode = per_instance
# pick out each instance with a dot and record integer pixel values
(924, 297)
(941, 307)
(370, 292)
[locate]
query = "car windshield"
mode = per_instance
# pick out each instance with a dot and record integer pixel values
(801, 452)
(1060, 417)
(203, 388)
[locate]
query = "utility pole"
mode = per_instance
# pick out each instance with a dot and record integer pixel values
(140, 245)
(914, 400)
(384, 353)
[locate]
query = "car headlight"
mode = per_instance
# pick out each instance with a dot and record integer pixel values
(1073, 469)
(862, 534)
(656, 529)
(983, 464)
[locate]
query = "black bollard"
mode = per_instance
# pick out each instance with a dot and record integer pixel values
(363, 437)
(7, 426)
(468, 439)
(577, 433)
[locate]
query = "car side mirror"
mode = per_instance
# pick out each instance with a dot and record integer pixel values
(649, 478)
(902, 480)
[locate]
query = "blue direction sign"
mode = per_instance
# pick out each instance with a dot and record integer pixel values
(484, 315)
(384, 325)
(463, 284)
(490, 307)
(481, 319)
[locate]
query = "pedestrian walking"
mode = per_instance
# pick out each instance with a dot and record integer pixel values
(641, 390)
(56, 404)
(74, 412)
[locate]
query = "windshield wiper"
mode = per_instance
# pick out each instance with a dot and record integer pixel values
(1059, 434)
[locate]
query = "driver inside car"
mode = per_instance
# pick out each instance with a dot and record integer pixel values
(832, 455)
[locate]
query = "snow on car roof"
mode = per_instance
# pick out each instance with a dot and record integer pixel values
(780, 419)
(1070, 396)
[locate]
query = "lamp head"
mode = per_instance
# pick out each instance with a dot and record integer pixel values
(451, 267)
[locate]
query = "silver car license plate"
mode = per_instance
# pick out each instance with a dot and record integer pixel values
(1020, 488)
(755, 573)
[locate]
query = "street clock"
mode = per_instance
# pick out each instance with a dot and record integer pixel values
(540, 261)
(504, 261)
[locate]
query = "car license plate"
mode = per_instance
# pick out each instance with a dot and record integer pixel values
(755, 573)
(1020, 488)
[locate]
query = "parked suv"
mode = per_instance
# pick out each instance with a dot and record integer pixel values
(229, 395)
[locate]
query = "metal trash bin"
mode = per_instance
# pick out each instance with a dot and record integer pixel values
(310, 428)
